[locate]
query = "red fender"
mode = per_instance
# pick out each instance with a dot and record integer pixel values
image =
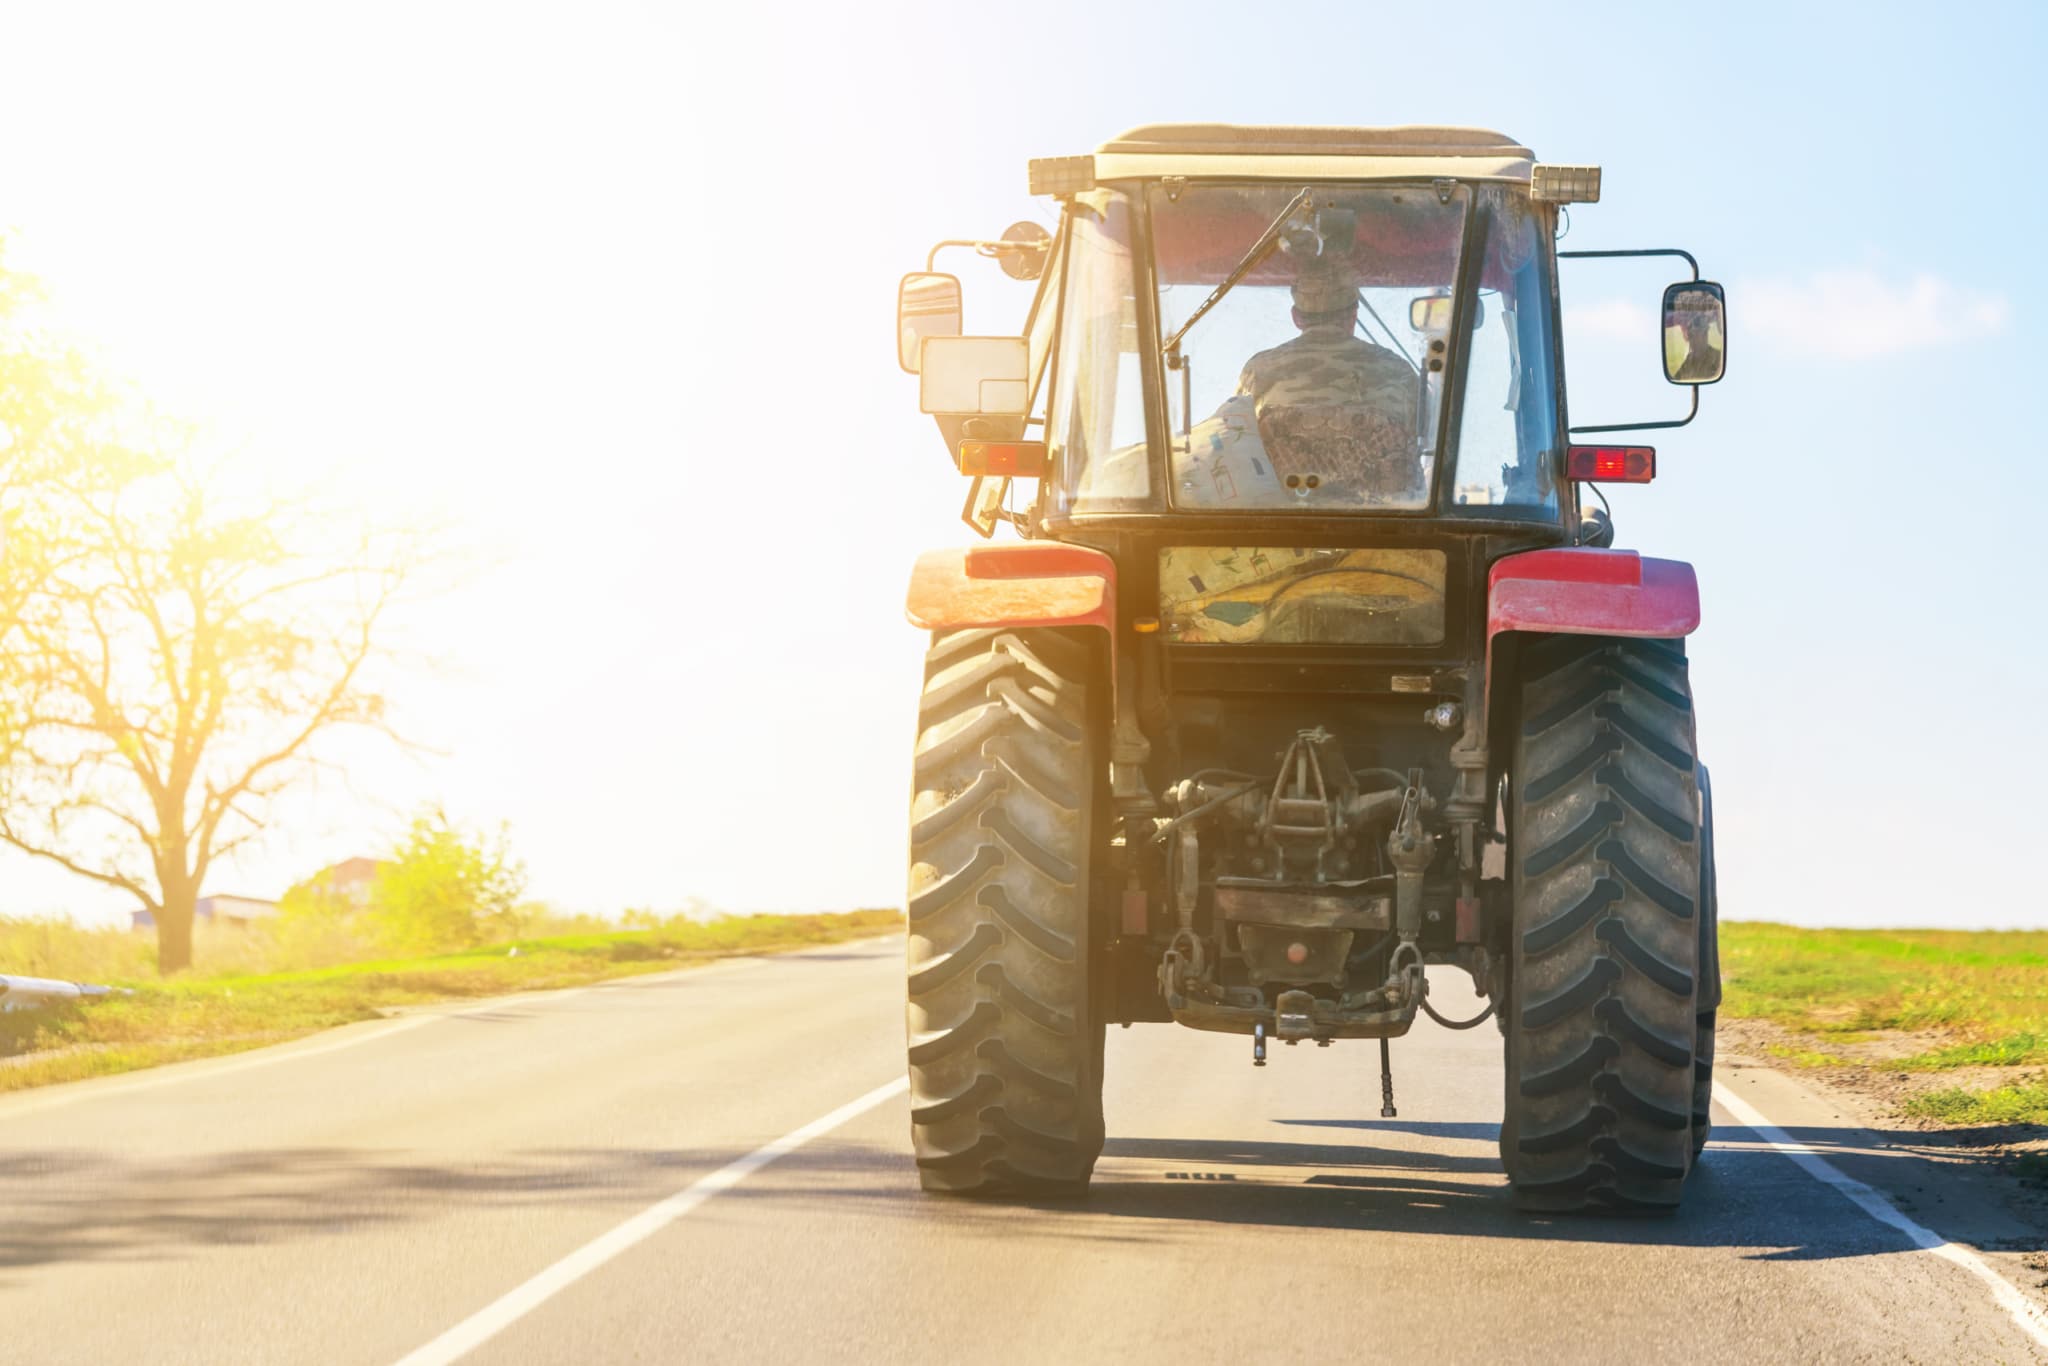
(1031, 583)
(1589, 592)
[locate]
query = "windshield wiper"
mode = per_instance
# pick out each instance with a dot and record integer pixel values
(1261, 249)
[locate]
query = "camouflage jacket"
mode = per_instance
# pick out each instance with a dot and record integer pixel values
(1325, 366)
(1340, 408)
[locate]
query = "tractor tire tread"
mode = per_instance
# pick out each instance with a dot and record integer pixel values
(1601, 1030)
(1004, 1047)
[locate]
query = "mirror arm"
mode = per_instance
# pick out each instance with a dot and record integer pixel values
(931, 257)
(1649, 426)
(986, 248)
(1685, 256)
(1694, 411)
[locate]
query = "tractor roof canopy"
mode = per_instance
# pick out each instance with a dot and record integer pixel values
(1306, 153)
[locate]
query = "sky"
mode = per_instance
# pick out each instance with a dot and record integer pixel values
(608, 291)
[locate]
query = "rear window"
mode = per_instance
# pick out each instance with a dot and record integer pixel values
(1268, 595)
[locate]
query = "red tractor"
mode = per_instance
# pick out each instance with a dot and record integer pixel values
(1311, 667)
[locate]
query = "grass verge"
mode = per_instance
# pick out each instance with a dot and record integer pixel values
(1911, 1004)
(194, 1017)
(2023, 1103)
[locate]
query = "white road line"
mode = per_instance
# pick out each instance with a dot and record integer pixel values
(515, 1304)
(2023, 1311)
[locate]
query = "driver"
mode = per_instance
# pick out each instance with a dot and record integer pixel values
(1331, 404)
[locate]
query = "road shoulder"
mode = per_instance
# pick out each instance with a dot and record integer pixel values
(1963, 1184)
(391, 1020)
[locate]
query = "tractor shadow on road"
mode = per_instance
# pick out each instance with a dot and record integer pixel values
(1273, 1158)
(1445, 1178)
(1392, 1177)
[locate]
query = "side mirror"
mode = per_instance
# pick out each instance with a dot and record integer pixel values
(1030, 248)
(927, 305)
(1431, 314)
(1695, 333)
(975, 376)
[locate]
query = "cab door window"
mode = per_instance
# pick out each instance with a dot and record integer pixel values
(1096, 427)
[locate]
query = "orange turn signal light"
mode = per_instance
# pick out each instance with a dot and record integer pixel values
(1612, 464)
(1019, 459)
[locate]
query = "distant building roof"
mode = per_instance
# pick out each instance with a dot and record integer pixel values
(350, 871)
(349, 879)
(221, 908)
(224, 906)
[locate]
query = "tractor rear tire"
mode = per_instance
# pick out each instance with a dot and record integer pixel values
(1606, 852)
(1005, 1043)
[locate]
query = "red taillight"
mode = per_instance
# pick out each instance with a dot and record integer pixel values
(1023, 459)
(1612, 464)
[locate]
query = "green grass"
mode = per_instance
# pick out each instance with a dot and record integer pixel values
(1986, 991)
(1983, 994)
(224, 1008)
(2015, 1050)
(2022, 1103)
(1807, 1057)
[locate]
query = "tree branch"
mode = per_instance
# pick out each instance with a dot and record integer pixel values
(128, 885)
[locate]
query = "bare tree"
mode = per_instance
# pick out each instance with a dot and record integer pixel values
(61, 419)
(175, 668)
(58, 417)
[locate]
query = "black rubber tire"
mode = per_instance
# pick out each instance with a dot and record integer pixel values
(1606, 858)
(1005, 1045)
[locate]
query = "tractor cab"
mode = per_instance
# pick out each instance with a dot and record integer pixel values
(1309, 669)
(1298, 324)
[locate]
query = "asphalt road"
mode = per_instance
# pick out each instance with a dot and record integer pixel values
(360, 1196)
